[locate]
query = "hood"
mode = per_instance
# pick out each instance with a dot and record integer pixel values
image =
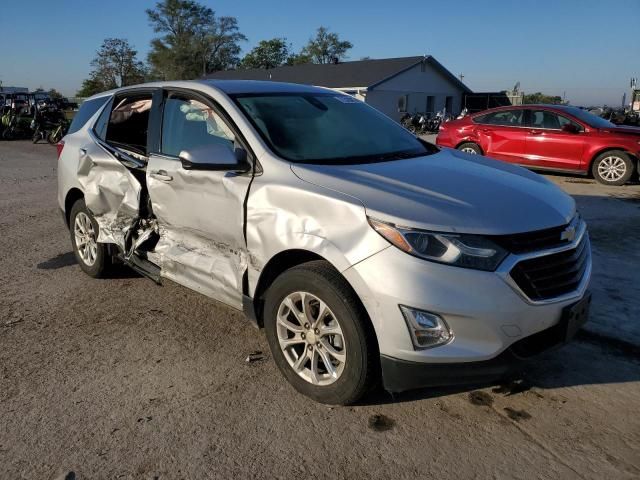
(449, 191)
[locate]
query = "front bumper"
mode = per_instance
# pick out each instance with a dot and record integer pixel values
(486, 312)
(400, 375)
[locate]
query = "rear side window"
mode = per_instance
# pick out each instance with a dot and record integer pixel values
(549, 120)
(129, 123)
(100, 128)
(87, 110)
(505, 118)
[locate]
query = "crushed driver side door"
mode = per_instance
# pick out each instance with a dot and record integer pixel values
(200, 213)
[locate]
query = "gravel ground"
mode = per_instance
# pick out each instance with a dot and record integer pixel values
(120, 378)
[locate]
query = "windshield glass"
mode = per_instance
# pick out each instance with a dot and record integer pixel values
(329, 128)
(589, 118)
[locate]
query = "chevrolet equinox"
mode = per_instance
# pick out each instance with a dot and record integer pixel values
(364, 252)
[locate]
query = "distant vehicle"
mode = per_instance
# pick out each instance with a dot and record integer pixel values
(360, 248)
(549, 137)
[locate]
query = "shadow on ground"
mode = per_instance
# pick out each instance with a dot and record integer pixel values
(589, 360)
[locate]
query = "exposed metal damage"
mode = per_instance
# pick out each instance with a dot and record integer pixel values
(153, 242)
(112, 194)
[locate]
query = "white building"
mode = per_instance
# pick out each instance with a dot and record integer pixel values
(392, 85)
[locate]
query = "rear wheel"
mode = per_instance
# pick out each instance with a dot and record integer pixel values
(92, 256)
(471, 148)
(319, 335)
(614, 167)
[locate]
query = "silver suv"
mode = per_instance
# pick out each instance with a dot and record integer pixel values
(363, 251)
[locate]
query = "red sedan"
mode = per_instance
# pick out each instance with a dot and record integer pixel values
(548, 137)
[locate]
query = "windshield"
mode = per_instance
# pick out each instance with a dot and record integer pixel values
(589, 118)
(329, 128)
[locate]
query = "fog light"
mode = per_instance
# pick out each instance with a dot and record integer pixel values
(427, 329)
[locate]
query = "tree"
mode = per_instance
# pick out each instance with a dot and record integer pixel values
(193, 41)
(92, 85)
(326, 47)
(267, 54)
(542, 98)
(116, 60)
(55, 94)
(115, 65)
(299, 59)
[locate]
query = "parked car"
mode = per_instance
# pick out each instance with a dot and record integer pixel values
(549, 137)
(360, 249)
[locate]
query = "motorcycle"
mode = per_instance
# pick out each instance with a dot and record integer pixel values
(15, 125)
(463, 113)
(58, 132)
(440, 118)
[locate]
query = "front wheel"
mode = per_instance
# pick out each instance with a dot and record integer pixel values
(471, 148)
(614, 167)
(319, 334)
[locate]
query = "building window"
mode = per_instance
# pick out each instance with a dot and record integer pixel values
(431, 104)
(448, 104)
(403, 101)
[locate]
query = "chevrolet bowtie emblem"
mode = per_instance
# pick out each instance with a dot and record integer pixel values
(568, 233)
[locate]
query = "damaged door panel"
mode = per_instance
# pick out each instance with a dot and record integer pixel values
(111, 170)
(111, 191)
(199, 212)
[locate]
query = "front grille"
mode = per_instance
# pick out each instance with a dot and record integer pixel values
(551, 276)
(532, 241)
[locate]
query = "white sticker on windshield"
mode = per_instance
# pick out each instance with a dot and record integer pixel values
(347, 99)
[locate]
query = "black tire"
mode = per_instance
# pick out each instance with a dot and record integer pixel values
(600, 160)
(361, 367)
(7, 134)
(102, 262)
(470, 146)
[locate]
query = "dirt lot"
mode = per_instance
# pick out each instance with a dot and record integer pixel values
(119, 378)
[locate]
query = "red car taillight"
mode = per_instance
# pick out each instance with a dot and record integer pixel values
(59, 147)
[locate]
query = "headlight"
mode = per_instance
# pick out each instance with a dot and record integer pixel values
(461, 250)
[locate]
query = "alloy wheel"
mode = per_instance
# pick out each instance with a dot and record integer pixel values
(85, 239)
(311, 338)
(469, 150)
(612, 168)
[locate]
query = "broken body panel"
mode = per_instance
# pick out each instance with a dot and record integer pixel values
(207, 229)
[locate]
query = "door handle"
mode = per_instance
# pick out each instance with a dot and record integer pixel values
(83, 151)
(161, 175)
(535, 132)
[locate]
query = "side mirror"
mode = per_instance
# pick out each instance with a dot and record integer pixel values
(215, 157)
(570, 128)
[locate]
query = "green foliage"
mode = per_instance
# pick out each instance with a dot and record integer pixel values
(537, 98)
(115, 65)
(92, 85)
(326, 47)
(193, 41)
(267, 54)
(53, 93)
(299, 59)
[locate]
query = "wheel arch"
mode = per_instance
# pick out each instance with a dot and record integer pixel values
(73, 195)
(634, 158)
(282, 262)
(462, 142)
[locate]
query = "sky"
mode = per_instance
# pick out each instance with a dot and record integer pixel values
(584, 50)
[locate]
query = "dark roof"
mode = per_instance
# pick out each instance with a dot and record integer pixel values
(362, 73)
